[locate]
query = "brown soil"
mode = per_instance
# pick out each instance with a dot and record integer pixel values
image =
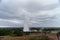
(51, 36)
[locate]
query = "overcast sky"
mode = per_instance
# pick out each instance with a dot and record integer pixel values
(41, 13)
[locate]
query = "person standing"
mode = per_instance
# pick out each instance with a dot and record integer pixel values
(58, 35)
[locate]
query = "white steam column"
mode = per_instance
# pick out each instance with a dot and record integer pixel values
(26, 21)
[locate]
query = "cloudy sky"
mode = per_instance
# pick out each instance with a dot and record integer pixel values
(39, 13)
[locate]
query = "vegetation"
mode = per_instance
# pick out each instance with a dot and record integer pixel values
(35, 28)
(11, 31)
(19, 32)
(51, 29)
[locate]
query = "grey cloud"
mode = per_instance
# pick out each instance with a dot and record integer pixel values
(11, 23)
(34, 7)
(5, 23)
(14, 10)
